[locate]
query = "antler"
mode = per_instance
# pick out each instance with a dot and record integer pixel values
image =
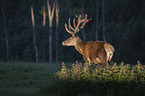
(76, 27)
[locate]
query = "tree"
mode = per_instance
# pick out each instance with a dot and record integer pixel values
(44, 24)
(83, 2)
(51, 15)
(103, 20)
(6, 35)
(34, 34)
(57, 22)
(97, 18)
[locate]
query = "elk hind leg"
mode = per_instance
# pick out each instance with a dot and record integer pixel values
(104, 60)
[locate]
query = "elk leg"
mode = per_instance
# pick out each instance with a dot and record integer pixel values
(103, 60)
(88, 64)
(96, 61)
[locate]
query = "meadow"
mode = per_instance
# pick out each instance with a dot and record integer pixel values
(25, 79)
(77, 79)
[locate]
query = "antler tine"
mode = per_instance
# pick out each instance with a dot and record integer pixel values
(68, 30)
(74, 23)
(79, 22)
(70, 27)
(86, 20)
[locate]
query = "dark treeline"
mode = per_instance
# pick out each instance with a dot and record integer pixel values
(124, 29)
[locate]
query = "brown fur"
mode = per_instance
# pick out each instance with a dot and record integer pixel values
(94, 51)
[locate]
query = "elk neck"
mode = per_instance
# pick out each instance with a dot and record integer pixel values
(79, 45)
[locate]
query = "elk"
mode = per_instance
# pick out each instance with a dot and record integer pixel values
(97, 52)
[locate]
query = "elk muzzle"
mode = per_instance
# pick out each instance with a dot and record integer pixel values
(63, 43)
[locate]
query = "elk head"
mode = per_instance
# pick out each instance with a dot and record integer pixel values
(72, 40)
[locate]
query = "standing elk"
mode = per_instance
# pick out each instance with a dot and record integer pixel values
(97, 52)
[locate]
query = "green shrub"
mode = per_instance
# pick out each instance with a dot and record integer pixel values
(113, 73)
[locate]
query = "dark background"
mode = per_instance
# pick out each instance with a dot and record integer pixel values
(124, 23)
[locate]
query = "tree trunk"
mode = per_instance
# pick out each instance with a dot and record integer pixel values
(97, 19)
(57, 22)
(6, 35)
(57, 45)
(44, 57)
(34, 35)
(83, 12)
(50, 44)
(103, 20)
(50, 14)
(44, 23)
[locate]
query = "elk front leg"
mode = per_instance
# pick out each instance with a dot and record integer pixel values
(88, 63)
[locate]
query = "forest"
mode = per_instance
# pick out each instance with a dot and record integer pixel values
(122, 22)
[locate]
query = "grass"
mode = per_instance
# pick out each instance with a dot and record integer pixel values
(25, 79)
(43, 79)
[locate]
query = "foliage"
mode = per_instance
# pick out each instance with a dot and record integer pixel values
(114, 80)
(113, 73)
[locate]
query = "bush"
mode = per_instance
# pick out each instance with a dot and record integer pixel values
(114, 73)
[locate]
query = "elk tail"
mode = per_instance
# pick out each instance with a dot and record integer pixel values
(109, 51)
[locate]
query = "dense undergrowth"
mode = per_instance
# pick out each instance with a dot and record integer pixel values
(114, 73)
(114, 80)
